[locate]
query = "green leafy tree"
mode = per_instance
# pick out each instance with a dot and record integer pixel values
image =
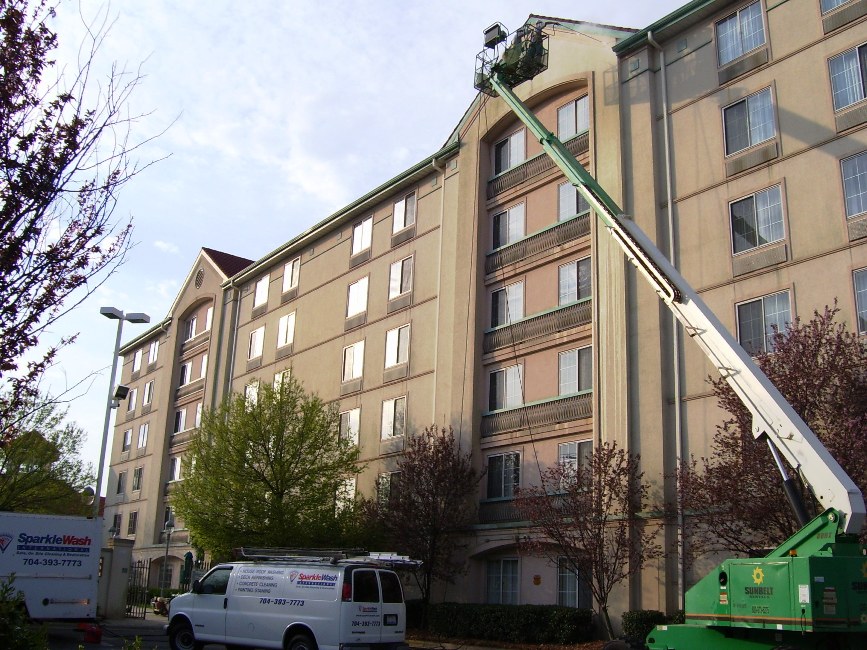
(41, 469)
(268, 471)
(16, 630)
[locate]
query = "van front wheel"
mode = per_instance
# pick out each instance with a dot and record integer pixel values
(181, 637)
(301, 642)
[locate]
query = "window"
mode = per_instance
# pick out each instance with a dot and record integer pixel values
(137, 475)
(404, 213)
(505, 389)
(507, 304)
(757, 219)
(257, 339)
(190, 328)
(180, 420)
(757, 320)
(570, 203)
(153, 351)
(186, 373)
(143, 435)
(574, 281)
(133, 523)
(286, 330)
(393, 417)
(509, 152)
(855, 184)
(573, 118)
(350, 421)
(290, 274)
(198, 415)
(400, 278)
(362, 233)
(130, 400)
(204, 366)
(116, 522)
(740, 33)
(508, 226)
(215, 582)
(749, 122)
(353, 361)
(356, 302)
(572, 455)
(251, 393)
(345, 495)
(136, 360)
(572, 591)
(502, 582)
(392, 592)
(148, 395)
(576, 370)
(169, 516)
(209, 318)
(175, 469)
(861, 299)
(121, 482)
(397, 346)
(828, 5)
(260, 295)
(127, 440)
(281, 378)
(387, 487)
(847, 77)
(504, 475)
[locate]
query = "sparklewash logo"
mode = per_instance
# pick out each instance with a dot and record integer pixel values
(5, 540)
(54, 543)
(314, 579)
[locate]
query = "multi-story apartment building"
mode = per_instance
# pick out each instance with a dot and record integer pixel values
(476, 290)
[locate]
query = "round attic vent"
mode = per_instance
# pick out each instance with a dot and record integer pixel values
(200, 277)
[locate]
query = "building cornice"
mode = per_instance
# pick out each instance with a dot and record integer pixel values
(673, 23)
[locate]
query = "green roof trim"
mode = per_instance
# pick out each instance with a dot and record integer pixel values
(640, 37)
(405, 175)
(162, 325)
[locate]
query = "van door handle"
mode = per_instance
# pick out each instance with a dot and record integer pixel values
(225, 603)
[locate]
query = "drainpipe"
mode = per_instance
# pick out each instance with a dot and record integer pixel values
(675, 328)
(442, 169)
(236, 307)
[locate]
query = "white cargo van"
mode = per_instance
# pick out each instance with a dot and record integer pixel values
(297, 603)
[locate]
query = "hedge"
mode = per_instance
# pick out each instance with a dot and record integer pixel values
(511, 623)
(638, 623)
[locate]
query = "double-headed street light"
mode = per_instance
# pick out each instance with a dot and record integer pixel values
(114, 395)
(168, 530)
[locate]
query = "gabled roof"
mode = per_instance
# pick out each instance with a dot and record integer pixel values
(227, 263)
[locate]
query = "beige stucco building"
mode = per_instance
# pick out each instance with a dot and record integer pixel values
(476, 290)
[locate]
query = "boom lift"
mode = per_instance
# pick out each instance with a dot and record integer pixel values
(811, 591)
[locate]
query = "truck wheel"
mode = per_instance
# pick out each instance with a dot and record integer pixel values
(181, 637)
(301, 642)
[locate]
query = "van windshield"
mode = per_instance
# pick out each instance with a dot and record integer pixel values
(391, 591)
(365, 588)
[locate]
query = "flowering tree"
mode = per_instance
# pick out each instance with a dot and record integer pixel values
(589, 516)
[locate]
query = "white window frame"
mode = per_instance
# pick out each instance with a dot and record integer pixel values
(251, 393)
(136, 360)
(504, 595)
(766, 230)
(121, 483)
(137, 478)
(280, 377)
(513, 305)
(514, 219)
(853, 171)
(126, 441)
(256, 344)
(345, 494)
(570, 202)
(512, 393)
(174, 468)
(350, 424)
(209, 318)
(143, 430)
(750, 127)
(198, 420)
(131, 399)
(186, 373)
(204, 366)
(573, 118)
(153, 351)
(400, 275)
(356, 297)
(353, 361)
(397, 342)
(402, 217)
(766, 326)
(180, 422)
(362, 235)
(498, 487)
(190, 328)
(392, 424)
(860, 277)
(564, 285)
(743, 46)
(291, 274)
(132, 524)
(148, 393)
(583, 357)
(286, 329)
(515, 146)
(260, 292)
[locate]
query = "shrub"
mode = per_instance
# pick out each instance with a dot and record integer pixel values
(511, 623)
(639, 622)
(678, 618)
(16, 632)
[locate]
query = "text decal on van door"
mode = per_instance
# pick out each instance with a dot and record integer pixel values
(256, 580)
(314, 580)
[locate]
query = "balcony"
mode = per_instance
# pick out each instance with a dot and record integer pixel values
(536, 165)
(182, 437)
(539, 242)
(544, 324)
(545, 412)
(498, 512)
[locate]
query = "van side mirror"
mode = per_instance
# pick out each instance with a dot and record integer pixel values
(197, 587)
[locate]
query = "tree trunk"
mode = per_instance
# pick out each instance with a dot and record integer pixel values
(603, 609)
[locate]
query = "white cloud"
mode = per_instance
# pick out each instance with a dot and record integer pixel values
(166, 247)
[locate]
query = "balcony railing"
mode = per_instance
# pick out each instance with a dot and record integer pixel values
(498, 512)
(544, 324)
(536, 165)
(550, 411)
(556, 235)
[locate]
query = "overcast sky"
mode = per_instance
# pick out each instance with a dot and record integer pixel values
(281, 112)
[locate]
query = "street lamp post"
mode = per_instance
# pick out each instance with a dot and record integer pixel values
(168, 530)
(114, 314)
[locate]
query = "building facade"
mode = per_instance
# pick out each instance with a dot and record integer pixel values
(476, 291)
